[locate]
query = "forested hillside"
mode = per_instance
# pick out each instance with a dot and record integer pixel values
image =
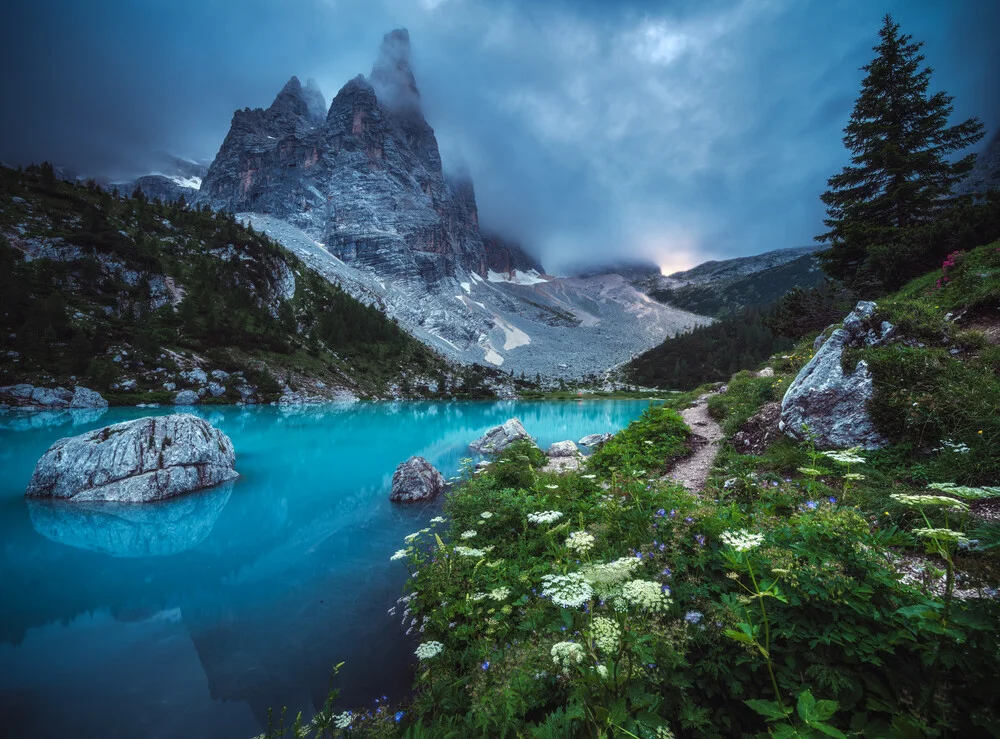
(127, 295)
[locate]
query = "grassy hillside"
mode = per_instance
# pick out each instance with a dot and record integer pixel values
(800, 594)
(123, 295)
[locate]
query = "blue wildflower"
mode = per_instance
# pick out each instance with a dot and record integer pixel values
(399, 716)
(486, 665)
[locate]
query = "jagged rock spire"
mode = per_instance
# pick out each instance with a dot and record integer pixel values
(392, 76)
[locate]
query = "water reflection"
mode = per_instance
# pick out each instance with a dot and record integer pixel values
(245, 594)
(131, 529)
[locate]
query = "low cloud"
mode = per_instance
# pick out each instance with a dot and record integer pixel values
(672, 131)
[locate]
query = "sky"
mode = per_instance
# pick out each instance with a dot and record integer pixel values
(673, 131)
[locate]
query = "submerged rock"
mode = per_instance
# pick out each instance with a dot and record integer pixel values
(834, 405)
(562, 449)
(136, 461)
(416, 479)
(500, 437)
(594, 440)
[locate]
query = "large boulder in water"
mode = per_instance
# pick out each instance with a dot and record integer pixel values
(136, 461)
(500, 437)
(831, 403)
(416, 479)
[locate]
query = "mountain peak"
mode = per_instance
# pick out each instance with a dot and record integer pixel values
(392, 76)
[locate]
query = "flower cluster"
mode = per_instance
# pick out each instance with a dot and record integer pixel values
(965, 492)
(565, 654)
(470, 534)
(500, 593)
(437, 519)
(469, 552)
(919, 501)
(544, 517)
(429, 649)
(941, 535)
(954, 259)
(343, 720)
(606, 578)
(947, 445)
(399, 554)
(741, 540)
(569, 591)
(485, 515)
(581, 541)
(606, 634)
(646, 595)
(845, 456)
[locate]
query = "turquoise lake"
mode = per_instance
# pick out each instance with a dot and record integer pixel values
(190, 618)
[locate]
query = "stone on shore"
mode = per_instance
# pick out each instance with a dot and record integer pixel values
(500, 437)
(415, 480)
(186, 397)
(138, 461)
(562, 449)
(594, 440)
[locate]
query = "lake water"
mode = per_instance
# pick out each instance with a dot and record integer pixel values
(190, 618)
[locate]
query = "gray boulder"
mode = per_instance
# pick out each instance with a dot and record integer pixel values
(833, 404)
(86, 398)
(500, 437)
(136, 461)
(58, 397)
(216, 389)
(196, 376)
(563, 449)
(416, 479)
(186, 397)
(594, 440)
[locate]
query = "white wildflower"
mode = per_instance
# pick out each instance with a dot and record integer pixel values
(410, 538)
(400, 554)
(429, 649)
(343, 720)
(485, 515)
(437, 519)
(544, 517)
(500, 593)
(565, 654)
(742, 540)
(552, 487)
(589, 477)
(568, 591)
(606, 634)
(581, 541)
(606, 578)
(919, 501)
(479, 596)
(470, 534)
(846, 456)
(469, 552)
(602, 670)
(646, 595)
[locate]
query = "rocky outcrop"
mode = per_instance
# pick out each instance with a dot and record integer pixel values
(505, 256)
(28, 397)
(562, 449)
(594, 440)
(415, 480)
(136, 461)
(831, 403)
(985, 175)
(500, 437)
(186, 397)
(364, 180)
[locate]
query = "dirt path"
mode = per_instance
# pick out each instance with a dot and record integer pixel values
(692, 471)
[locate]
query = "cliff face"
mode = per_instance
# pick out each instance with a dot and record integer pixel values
(506, 256)
(365, 180)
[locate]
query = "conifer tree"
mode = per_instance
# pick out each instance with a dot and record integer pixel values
(883, 208)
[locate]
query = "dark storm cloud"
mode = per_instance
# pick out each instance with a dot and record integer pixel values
(677, 131)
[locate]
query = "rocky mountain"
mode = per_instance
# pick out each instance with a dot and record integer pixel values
(730, 269)
(157, 303)
(985, 175)
(361, 196)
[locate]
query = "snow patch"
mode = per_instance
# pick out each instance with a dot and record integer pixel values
(531, 277)
(513, 336)
(492, 357)
(466, 286)
(193, 182)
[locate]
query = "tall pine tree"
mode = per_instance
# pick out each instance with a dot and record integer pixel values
(886, 207)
